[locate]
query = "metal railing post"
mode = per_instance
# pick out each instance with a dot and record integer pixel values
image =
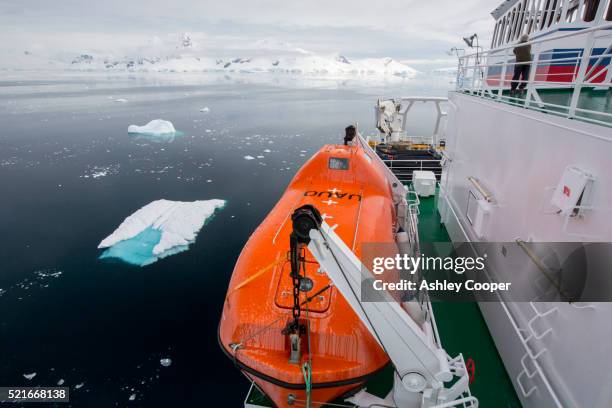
(474, 68)
(502, 78)
(532, 74)
(584, 64)
(459, 68)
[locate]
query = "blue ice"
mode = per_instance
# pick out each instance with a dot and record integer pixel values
(139, 249)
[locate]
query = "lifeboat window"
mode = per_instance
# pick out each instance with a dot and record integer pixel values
(338, 163)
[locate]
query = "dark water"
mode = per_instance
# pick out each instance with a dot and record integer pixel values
(105, 324)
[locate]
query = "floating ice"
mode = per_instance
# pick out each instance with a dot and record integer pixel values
(96, 172)
(29, 376)
(60, 382)
(249, 158)
(132, 397)
(205, 109)
(166, 362)
(154, 127)
(159, 229)
(121, 100)
(79, 385)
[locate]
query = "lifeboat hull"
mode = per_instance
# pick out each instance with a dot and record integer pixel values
(350, 189)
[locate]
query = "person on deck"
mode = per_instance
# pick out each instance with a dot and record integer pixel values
(521, 68)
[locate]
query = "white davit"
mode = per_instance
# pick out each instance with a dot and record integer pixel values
(154, 127)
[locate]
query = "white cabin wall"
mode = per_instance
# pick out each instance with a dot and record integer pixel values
(517, 154)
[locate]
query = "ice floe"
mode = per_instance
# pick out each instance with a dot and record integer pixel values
(205, 109)
(249, 158)
(96, 172)
(40, 279)
(159, 229)
(166, 362)
(154, 127)
(29, 376)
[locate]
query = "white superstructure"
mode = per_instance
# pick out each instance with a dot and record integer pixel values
(526, 169)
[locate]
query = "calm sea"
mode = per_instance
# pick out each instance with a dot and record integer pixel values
(70, 174)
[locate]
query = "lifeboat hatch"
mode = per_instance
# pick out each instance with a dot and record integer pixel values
(284, 290)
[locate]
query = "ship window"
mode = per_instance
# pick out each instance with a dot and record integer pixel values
(553, 13)
(338, 163)
(503, 32)
(590, 9)
(545, 14)
(509, 32)
(515, 15)
(519, 21)
(517, 24)
(494, 35)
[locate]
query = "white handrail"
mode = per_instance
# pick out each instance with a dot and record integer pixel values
(589, 70)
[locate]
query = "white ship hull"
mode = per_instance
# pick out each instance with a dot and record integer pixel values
(557, 354)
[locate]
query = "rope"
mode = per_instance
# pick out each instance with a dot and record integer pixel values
(307, 372)
(256, 275)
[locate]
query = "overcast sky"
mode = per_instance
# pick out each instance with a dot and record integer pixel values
(402, 29)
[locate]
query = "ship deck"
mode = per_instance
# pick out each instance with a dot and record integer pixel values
(462, 329)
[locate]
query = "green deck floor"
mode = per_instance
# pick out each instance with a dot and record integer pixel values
(463, 329)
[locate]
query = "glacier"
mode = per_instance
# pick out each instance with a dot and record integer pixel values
(157, 230)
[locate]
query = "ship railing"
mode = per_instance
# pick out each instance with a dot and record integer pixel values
(403, 168)
(580, 91)
(399, 190)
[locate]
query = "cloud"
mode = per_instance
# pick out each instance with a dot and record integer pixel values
(401, 29)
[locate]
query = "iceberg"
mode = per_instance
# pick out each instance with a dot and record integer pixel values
(157, 230)
(154, 127)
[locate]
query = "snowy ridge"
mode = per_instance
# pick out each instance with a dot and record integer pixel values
(183, 53)
(303, 64)
(178, 221)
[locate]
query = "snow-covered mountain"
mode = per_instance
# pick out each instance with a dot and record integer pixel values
(187, 53)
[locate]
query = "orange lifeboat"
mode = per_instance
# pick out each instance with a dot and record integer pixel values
(325, 351)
